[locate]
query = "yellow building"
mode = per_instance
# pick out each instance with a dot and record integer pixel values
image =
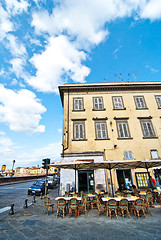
(110, 121)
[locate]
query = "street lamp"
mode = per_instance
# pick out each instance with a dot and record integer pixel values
(13, 167)
(37, 169)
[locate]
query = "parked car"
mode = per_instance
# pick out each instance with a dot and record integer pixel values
(37, 188)
(51, 181)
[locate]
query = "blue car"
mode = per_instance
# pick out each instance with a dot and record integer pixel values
(37, 188)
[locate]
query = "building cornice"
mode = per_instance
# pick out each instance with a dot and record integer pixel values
(100, 87)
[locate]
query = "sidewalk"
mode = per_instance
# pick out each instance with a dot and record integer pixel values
(30, 223)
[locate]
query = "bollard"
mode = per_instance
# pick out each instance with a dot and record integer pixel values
(26, 206)
(12, 209)
(40, 195)
(34, 201)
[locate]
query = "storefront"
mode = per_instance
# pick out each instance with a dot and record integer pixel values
(86, 181)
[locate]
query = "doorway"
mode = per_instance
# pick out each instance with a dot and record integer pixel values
(86, 181)
(124, 177)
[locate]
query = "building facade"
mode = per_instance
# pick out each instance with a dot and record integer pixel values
(110, 121)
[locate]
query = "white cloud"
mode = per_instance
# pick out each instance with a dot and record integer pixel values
(21, 110)
(15, 47)
(34, 158)
(16, 6)
(152, 10)
(5, 24)
(153, 70)
(60, 60)
(18, 67)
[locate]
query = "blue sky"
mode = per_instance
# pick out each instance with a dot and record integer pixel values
(44, 44)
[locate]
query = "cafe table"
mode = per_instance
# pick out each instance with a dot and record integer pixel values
(130, 199)
(68, 198)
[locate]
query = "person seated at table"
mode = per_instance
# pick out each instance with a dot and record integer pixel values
(134, 189)
(121, 187)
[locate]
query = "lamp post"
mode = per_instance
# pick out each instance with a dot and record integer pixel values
(13, 167)
(37, 169)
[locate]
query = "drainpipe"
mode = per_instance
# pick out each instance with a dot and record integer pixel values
(67, 132)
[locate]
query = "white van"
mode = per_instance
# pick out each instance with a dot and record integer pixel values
(51, 181)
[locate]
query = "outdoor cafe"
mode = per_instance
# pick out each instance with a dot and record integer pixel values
(120, 202)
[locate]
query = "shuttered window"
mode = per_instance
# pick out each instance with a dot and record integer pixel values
(154, 154)
(78, 104)
(147, 128)
(98, 103)
(140, 102)
(79, 131)
(128, 154)
(118, 103)
(158, 99)
(101, 131)
(123, 130)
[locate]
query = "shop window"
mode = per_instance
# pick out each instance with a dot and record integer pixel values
(142, 180)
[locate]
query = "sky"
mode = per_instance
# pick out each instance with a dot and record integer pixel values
(47, 43)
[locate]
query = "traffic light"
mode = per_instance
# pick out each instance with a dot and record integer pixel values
(45, 162)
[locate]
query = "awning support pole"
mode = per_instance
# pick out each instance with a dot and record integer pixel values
(111, 183)
(150, 184)
(75, 178)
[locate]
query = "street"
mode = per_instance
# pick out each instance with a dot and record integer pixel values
(15, 194)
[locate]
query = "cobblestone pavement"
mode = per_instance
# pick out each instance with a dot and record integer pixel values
(30, 223)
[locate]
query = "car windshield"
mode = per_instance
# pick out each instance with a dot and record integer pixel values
(37, 183)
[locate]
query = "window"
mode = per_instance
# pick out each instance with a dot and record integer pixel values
(79, 133)
(147, 128)
(98, 103)
(118, 103)
(154, 154)
(142, 179)
(123, 130)
(158, 99)
(128, 154)
(101, 131)
(77, 104)
(140, 102)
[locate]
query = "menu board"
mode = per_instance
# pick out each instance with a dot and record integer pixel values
(142, 180)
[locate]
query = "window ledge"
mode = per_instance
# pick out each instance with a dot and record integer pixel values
(79, 139)
(99, 109)
(150, 137)
(97, 139)
(142, 108)
(81, 110)
(119, 108)
(124, 138)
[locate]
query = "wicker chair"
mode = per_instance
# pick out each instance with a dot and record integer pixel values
(61, 207)
(123, 208)
(101, 206)
(147, 204)
(112, 207)
(73, 206)
(48, 204)
(138, 207)
(82, 206)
